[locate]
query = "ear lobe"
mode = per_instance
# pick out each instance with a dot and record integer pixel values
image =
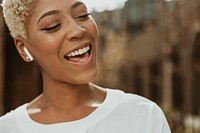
(20, 44)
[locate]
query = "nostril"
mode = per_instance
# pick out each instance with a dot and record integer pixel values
(77, 37)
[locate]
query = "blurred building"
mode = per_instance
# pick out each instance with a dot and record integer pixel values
(152, 48)
(1, 65)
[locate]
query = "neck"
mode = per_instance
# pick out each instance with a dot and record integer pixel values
(64, 95)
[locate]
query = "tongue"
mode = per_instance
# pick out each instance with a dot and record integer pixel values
(79, 58)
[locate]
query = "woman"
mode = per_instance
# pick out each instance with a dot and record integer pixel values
(61, 37)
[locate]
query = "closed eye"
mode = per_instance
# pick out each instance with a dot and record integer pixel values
(83, 17)
(52, 28)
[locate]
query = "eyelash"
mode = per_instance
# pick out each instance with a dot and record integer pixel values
(55, 27)
(83, 17)
(52, 28)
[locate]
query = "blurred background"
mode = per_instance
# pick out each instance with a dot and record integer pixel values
(146, 47)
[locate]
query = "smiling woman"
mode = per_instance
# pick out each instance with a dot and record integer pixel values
(61, 36)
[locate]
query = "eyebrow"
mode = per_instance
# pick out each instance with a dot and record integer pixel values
(48, 14)
(77, 4)
(57, 11)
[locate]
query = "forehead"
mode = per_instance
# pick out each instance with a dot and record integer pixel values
(40, 7)
(46, 5)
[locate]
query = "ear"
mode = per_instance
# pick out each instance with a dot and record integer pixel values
(20, 44)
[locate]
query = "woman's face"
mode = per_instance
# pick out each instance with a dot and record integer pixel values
(62, 38)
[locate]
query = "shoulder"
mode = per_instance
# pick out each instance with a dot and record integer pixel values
(141, 111)
(138, 104)
(8, 121)
(133, 100)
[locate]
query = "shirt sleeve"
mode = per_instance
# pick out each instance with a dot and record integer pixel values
(157, 120)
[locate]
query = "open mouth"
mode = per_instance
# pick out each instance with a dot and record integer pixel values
(79, 55)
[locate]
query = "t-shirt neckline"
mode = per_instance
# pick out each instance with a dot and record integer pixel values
(26, 124)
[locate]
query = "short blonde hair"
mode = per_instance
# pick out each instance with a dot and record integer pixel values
(15, 13)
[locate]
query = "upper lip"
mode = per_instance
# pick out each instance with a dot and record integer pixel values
(79, 47)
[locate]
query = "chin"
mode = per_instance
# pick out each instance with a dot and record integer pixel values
(85, 79)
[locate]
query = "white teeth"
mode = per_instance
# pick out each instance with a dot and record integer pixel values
(79, 51)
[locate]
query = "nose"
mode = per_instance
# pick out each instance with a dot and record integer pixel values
(75, 31)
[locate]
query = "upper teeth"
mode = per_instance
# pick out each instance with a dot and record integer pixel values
(79, 51)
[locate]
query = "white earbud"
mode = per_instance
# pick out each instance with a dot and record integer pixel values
(29, 56)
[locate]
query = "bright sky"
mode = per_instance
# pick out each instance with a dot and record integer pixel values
(102, 5)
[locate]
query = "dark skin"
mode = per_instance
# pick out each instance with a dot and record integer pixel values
(54, 30)
(75, 106)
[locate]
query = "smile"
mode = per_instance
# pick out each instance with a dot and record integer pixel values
(79, 55)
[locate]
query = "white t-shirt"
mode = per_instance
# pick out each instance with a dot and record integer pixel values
(119, 113)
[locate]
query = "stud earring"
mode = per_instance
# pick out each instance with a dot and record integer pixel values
(28, 58)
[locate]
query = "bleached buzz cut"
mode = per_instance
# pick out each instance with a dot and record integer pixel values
(15, 13)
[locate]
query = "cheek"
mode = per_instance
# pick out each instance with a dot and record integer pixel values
(46, 43)
(45, 46)
(95, 31)
(45, 49)
(92, 28)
